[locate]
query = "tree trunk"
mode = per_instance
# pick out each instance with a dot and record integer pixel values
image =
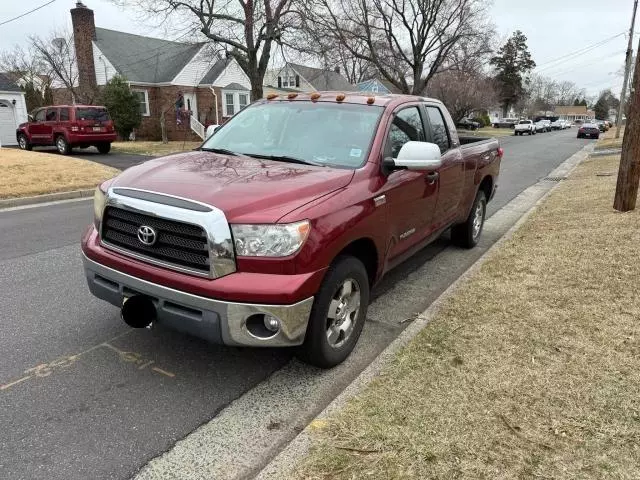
(629, 171)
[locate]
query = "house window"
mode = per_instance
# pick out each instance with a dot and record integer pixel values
(374, 89)
(234, 102)
(143, 100)
(229, 105)
(243, 100)
(292, 81)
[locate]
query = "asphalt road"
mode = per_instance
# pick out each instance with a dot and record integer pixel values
(83, 396)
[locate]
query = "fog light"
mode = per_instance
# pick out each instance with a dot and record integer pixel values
(271, 323)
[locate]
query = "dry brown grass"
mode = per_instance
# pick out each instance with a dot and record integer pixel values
(155, 149)
(23, 174)
(532, 370)
(488, 132)
(608, 139)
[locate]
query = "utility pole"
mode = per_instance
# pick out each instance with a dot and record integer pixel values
(629, 171)
(627, 69)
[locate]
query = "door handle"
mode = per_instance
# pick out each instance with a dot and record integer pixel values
(432, 177)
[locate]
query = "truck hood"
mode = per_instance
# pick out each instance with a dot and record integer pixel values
(246, 189)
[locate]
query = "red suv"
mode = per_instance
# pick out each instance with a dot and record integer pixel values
(66, 127)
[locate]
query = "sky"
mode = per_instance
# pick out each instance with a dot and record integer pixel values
(554, 28)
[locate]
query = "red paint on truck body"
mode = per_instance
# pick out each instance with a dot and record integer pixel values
(339, 203)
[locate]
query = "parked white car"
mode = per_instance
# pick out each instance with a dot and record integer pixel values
(525, 126)
(541, 126)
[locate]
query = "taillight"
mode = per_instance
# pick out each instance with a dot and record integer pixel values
(500, 152)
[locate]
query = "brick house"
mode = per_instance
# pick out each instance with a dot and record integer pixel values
(212, 88)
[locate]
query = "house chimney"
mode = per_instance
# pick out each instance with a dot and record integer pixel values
(337, 69)
(84, 32)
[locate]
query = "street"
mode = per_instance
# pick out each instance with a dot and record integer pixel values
(84, 396)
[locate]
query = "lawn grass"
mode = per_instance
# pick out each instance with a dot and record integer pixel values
(155, 149)
(608, 139)
(531, 370)
(24, 174)
(488, 132)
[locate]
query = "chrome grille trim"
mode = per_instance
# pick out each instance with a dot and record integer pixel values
(210, 219)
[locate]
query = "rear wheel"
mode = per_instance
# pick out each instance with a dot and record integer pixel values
(467, 234)
(62, 145)
(338, 314)
(23, 142)
(104, 148)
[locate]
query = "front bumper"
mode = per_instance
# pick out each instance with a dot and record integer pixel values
(214, 320)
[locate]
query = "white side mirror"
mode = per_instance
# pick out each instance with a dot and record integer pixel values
(211, 129)
(419, 156)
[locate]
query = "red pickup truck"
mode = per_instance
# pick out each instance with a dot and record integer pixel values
(66, 127)
(274, 232)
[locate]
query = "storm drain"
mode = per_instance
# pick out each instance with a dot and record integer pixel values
(554, 179)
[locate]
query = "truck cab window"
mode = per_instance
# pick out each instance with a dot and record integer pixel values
(407, 126)
(438, 129)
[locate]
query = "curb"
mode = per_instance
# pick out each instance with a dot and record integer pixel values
(286, 462)
(49, 197)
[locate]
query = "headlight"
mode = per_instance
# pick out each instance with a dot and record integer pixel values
(269, 240)
(99, 202)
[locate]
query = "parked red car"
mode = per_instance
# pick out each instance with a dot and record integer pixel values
(66, 127)
(590, 130)
(275, 231)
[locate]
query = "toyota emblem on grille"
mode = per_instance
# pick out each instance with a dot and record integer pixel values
(147, 235)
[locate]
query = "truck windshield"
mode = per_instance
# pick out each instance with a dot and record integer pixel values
(332, 134)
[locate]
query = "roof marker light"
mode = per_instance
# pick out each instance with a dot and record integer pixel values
(291, 96)
(340, 97)
(271, 96)
(315, 96)
(370, 100)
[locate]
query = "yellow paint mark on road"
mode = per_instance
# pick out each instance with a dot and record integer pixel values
(46, 369)
(163, 372)
(15, 382)
(318, 424)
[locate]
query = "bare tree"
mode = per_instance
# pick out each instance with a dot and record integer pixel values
(57, 57)
(407, 41)
(247, 28)
(463, 92)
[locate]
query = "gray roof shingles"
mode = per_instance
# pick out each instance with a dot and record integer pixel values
(8, 85)
(215, 72)
(323, 79)
(144, 59)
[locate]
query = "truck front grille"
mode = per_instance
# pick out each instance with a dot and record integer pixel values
(176, 243)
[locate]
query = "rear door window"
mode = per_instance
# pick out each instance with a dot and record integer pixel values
(64, 114)
(439, 133)
(407, 126)
(52, 115)
(91, 113)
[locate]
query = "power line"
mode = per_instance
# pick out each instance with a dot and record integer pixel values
(577, 53)
(581, 65)
(27, 13)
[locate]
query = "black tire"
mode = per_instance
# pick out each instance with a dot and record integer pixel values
(316, 349)
(465, 235)
(23, 142)
(104, 148)
(62, 145)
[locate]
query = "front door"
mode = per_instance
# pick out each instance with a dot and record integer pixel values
(37, 127)
(50, 122)
(410, 196)
(452, 171)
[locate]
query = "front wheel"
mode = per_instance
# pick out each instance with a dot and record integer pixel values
(23, 142)
(467, 234)
(338, 314)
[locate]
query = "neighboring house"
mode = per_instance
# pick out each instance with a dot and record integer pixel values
(213, 89)
(299, 78)
(13, 110)
(375, 85)
(495, 113)
(574, 113)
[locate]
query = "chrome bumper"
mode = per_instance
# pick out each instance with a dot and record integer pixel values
(214, 320)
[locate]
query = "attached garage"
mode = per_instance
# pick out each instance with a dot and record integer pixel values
(13, 110)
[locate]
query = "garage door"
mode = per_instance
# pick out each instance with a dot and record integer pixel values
(7, 124)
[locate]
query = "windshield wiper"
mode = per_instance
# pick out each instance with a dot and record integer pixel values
(285, 158)
(218, 150)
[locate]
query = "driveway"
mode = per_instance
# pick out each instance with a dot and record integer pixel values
(120, 161)
(83, 396)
